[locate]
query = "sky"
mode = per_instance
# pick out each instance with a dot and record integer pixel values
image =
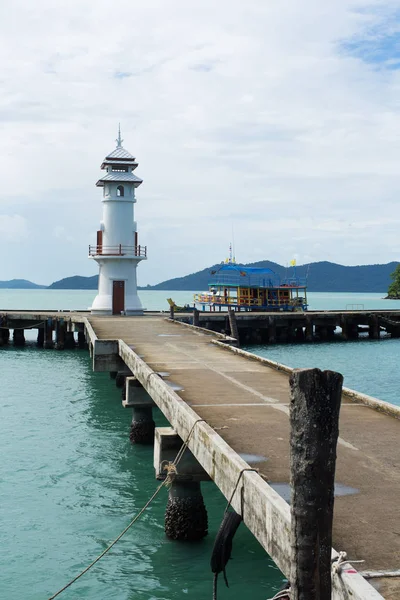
(273, 124)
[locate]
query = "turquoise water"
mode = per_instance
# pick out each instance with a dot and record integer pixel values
(157, 300)
(70, 481)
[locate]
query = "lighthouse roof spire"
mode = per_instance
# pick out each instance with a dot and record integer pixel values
(119, 153)
(119, 140)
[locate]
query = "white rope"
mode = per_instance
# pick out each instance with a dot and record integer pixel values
(342, 559)
(282, 594)
(26, 327)
(171, 472)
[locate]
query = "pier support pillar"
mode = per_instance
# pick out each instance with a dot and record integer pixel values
(374, 329)
(18, 337)
(40, 338)
(349, 329)
(271, 330)
(321, 332)
(233, 325)
(48, 335)
(186, 514)
(70, 340)
(136, 397)
(120, 378)
(60, 334)
(142, 426)
(196, 318)
(5, 336)
(330, 332)
(113, 374)
(289, 333)
(309, 332)
(352, 331)
(82, 344)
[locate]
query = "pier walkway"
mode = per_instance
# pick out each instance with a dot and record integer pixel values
(246, 402)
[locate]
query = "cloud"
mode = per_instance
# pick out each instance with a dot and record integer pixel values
(122, 75)
(281, 119)
(13, 228)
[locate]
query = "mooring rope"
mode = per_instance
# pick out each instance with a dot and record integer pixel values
(171, 471)
(236, 486)
(337, 563)
(27, 327)
(282, 594)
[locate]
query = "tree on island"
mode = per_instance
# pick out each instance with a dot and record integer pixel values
(394, 287)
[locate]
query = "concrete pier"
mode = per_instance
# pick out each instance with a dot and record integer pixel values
(288, 327)
(246, 401)
(232, 409)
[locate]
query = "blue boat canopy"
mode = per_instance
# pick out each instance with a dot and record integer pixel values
(235, 275)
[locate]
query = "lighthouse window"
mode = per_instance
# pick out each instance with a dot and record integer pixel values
(120, 190)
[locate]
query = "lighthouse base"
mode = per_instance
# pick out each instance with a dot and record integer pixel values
(103, 305)
(117, 293)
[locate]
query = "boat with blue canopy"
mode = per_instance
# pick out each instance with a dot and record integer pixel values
(252, 289)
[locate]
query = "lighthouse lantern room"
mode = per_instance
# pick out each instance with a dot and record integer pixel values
(117, 250)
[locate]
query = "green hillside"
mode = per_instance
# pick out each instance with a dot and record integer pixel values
(77, 282)
(321, 277)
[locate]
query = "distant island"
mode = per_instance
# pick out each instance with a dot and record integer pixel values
(394, 287)
(321, 276)
(21, 284)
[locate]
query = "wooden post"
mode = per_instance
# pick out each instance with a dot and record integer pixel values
(314, 419)
(233, 325)
(196, 317)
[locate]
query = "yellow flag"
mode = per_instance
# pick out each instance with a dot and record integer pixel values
(293, 262)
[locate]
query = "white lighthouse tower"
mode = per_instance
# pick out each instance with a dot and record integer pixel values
(117, 251)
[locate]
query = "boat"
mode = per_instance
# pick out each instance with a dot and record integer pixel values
(177, 308)
(244, 288)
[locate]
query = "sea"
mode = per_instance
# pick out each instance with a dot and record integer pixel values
(70, 481)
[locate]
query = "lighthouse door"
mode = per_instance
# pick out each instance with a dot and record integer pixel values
(118, 301)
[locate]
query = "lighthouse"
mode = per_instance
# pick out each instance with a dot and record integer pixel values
(117, 250)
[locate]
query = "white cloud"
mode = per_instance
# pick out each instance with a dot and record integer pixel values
(254, 114)
(13, 228)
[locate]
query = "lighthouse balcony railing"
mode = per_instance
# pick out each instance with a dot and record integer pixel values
(119, 250)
